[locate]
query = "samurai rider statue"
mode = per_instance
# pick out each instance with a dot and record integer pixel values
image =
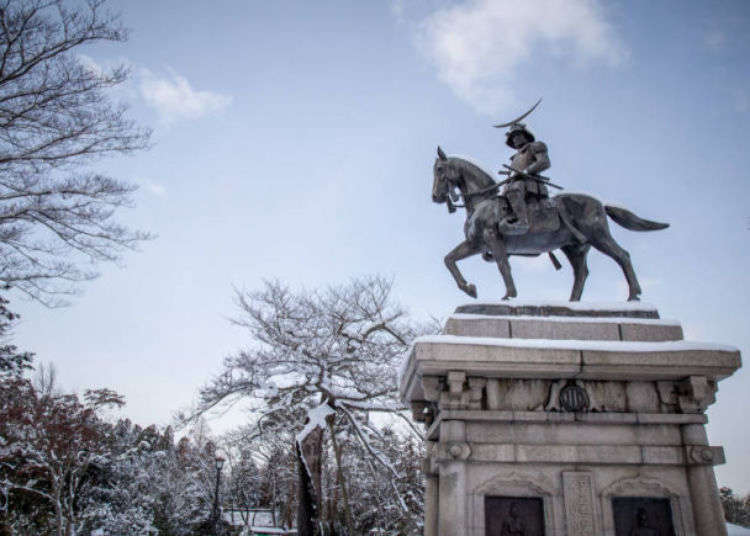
(524, 184)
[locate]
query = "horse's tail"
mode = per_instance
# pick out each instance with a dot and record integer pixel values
(630, 221)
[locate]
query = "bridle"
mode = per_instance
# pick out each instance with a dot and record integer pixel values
(468, 196)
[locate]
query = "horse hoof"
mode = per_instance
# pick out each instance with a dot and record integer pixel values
(508, 296)
(471, 290)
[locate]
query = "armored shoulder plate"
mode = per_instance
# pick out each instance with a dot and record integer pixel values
(537, 147)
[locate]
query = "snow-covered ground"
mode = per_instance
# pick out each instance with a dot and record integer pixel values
(736, 530)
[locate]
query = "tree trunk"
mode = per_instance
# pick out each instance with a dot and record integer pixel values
(341, 482)
(58, 516)
(306, 515)
(311, 460)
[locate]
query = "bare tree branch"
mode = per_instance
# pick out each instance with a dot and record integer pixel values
(55, 118)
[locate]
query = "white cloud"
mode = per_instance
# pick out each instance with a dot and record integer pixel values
(156, 189)
(478, 44)
(153, 187)
(174, 98)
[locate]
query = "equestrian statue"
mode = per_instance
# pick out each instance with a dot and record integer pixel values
(522, 219)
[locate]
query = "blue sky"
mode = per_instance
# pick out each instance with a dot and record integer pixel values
(294, 140)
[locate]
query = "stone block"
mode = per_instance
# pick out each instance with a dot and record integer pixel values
(555, 330)
(607, 418)
(484, 432)
(694, 434)
(658, 434)
(608, 454)
(546, 453)
(656, 455)
(493, 452)
(651, 363)
(560, 417)
(571, 309)
(452, 430)
(670, 418)
(469, 326)
(652, 332)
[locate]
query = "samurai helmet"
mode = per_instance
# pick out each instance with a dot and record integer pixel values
(516, 126)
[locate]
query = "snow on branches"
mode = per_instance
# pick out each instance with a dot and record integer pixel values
(318, 361)
(340, 346)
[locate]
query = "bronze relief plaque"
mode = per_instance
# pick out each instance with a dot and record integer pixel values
(514, 516)
(642, 516)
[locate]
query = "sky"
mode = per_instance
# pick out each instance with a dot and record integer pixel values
(294, 140)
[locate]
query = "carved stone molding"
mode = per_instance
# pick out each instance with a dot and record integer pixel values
(704, 455)
(534, 484)
(432, 386)
(476, 387)
(515, 484)
(692, 395)
(695, 394)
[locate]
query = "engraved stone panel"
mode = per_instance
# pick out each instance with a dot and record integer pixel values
(642, 516)
(580, 515)
(514, 516)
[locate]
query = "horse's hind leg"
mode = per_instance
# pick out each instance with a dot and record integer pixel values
(500, 253)
(577, 257)
(607, 245)
(461, 251)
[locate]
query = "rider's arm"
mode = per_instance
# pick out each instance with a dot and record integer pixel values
(541, 158)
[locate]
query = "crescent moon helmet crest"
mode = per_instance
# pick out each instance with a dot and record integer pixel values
(518, 119)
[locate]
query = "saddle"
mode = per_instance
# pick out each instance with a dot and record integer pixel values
(544, 213)
(543, 216)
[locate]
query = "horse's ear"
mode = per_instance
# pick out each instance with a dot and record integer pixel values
(441, 154)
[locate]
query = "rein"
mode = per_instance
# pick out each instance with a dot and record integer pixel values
(471, 195)
(482, 191)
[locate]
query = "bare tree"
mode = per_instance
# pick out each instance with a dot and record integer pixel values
(320, 361)
(55, 117)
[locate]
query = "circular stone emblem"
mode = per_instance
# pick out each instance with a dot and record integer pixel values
(574, 398)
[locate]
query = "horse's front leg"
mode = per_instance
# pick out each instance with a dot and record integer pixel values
(500, 253)
(461, 251)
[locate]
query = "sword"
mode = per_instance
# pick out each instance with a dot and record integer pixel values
(538, 178)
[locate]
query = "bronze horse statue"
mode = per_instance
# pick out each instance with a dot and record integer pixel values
(571, 222)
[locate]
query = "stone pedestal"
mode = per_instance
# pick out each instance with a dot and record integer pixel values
(567, 419)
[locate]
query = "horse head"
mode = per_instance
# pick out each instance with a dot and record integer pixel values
(445, 177)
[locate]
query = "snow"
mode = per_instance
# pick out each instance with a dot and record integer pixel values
(577, 306)
(404, 364)
(606, 346)
(603, 319)
(316, 419)
(736, 530)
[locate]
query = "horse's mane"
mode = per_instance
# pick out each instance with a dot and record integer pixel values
(471, 166)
